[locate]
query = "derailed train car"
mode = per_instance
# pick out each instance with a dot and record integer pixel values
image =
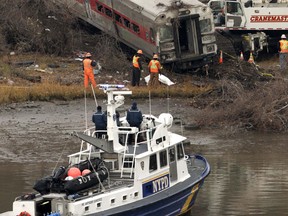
(180, 32)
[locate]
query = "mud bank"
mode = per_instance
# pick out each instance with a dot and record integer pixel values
(29, 130)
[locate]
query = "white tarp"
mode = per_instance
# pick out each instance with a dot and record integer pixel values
(163, 79)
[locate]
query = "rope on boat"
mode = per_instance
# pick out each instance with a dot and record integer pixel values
(94, 96)
(86, 124)
(59, 158)
(97, 175)
(96, 104)
(168, 99)
(150, 102)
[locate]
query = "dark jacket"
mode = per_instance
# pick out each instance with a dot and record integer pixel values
(134, 117)
(100, 120)
(117, 114)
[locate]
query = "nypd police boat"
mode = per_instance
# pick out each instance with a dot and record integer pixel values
(152, 175)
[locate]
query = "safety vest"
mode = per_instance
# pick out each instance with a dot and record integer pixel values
(283, 46)
(154, 66)
(87, 65)
(136, 61)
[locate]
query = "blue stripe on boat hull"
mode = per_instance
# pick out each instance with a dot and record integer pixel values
(171, 205)
(172, 201)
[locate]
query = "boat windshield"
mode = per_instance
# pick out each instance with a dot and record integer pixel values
(166, 33)
(205, 25)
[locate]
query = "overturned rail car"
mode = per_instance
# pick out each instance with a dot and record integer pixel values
(180, 32)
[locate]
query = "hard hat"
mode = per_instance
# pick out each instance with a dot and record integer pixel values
(155, 56)
(140, 52)
(88, 54)
(283, 36)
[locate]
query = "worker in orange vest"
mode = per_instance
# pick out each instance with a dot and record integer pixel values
(88, 65)
(154, 67)
(283, 53)
(137, 68)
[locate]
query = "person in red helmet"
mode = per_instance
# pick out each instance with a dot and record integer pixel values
(88, 65)
(137, 68)
(154, 67)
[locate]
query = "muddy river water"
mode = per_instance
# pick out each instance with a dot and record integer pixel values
(249, 171)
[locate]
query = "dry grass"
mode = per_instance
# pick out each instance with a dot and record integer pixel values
(42, 92)
(264, 108)
(53, 91)
(185, 90)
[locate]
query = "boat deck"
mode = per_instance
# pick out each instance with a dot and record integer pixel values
(196, 166)
(140, 148)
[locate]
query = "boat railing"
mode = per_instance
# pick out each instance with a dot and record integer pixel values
(89, 132)
(86, 149)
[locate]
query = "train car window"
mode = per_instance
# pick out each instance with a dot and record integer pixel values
(163, 158)
(166, 32)
(153, 163)
(99, 7)
(180, 152)
(135, 28)
(147, 35)
(108, 12)
(152, 37)
(127, 23)
(118, 18)
(205, 25)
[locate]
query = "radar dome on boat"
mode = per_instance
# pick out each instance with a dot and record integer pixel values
(166, 118)
(74, 172)
(119, 98)
(85, 171)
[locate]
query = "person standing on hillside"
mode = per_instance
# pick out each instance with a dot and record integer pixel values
(88, 65)
(137, 68)
(154, 67)
(283, 53)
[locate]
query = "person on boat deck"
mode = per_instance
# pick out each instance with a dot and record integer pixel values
(100, 120)
(88, 65)
(117, 114)
(134, 118)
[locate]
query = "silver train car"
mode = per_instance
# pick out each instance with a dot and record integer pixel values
(180, 32)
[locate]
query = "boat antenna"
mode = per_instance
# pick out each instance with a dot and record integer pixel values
(168, 99)
(94, 96)
(86, 124)
(150, 102)
(96, 104)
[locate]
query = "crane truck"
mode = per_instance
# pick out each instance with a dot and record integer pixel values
(251, 26)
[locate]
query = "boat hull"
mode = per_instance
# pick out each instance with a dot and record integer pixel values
(175, 200)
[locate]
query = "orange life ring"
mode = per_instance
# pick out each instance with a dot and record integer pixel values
(24, 214)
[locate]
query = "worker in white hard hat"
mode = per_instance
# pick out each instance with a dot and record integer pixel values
(283, 52)
(154, 67)
(88, 65)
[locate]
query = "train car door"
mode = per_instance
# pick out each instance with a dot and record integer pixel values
(173, 164)
(188, 33)
(234, 15)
